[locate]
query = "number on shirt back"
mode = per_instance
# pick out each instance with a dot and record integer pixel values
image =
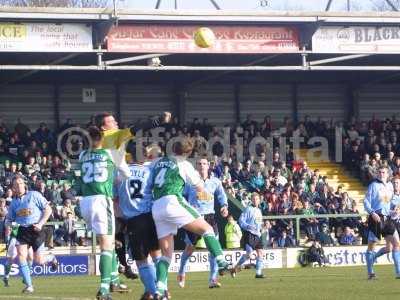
(135, 189)
(159, 180)
(95, 172)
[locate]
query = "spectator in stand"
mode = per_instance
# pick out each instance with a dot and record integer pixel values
(70, 233)
(310, 225)
(324, 237)
(41, 187)
(3, 214)
(347, 238)
(249, 122)
(20, 128)
(226, 176)
(256, 181)
(43, 134)
(55, 194)
(284, 241)
(31, 167)
(57, 170)
(68, 193)
(67, 208)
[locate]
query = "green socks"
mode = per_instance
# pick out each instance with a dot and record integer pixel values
(162, 274)
(114, 269)
(106, 258)
(213, 245)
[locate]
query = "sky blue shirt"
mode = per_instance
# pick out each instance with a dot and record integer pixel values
(28, 209)
(251, 220)
(378, 197)
(204, 202)
(134, 194)
(395, 201)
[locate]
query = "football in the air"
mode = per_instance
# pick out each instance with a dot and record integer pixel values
(204, 37)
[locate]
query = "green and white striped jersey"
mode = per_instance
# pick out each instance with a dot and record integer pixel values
(170, 174)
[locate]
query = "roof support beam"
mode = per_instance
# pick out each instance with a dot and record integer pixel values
(133, 58)
(196, 68)
(328, 5)
(335, 59)
(390, 3)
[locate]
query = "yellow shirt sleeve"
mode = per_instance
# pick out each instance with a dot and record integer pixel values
(114, 138)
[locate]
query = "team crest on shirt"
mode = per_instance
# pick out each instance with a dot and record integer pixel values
(204, 196)
(24, 212)
(385, 195)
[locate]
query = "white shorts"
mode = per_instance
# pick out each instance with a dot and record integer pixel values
(98, 212)
(171, 213)
(12, 248)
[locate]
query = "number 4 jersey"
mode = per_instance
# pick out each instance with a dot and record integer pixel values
(134, 193)
(170, 174)
(97, 172)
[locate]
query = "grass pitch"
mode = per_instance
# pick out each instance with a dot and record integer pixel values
(306, 283)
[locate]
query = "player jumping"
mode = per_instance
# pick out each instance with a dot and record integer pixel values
(171, 211)
(251, 221)
(97, 168)
(204, 203)
(135, 202)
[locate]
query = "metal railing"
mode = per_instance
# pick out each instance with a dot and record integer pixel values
(298, 218)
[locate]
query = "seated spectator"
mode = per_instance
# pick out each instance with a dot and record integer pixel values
(268, 234)
(31, 166)
(3, 214)
(67, 208)
(347, 202)
(226, 177)
(278, 178)
(324, 236)
(68, 193)
(58, 170)
(284, 241)
(310, 225)
(41, 187)
(256, 181)
(347, 238)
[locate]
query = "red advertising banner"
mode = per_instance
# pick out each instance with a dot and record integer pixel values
(179, 39)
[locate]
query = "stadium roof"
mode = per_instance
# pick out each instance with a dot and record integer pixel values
(130, 15)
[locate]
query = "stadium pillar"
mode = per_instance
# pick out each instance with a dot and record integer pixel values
(237, 102)
(179, 104)
(351, 103)
(295, 104)
(118, 102)
(56, 101)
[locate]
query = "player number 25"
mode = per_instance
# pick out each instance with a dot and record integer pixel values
(95, 172)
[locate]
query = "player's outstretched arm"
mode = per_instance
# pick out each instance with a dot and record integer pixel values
(164, 118)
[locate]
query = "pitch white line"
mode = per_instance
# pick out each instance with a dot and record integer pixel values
(41, 297)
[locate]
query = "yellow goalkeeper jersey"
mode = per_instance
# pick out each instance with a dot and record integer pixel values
(115, 138)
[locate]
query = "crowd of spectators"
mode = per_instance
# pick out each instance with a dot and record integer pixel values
(369, 145)
(286, 186)
(33, 155)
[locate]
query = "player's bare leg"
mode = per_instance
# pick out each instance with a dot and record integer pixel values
(201, 227)
(259, 264)
(189, 249)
